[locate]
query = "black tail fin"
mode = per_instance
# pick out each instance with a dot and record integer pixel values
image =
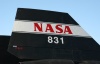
(40, 34)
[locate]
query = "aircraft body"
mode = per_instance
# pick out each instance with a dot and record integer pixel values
(42, 34)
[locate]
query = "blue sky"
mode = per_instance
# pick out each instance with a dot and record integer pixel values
(85, 12)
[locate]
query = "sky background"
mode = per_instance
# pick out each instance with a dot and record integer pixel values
(85, 12)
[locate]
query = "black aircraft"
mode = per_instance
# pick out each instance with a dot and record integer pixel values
(47, 35)
(5, 56)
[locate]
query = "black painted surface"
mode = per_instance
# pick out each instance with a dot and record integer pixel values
(45, 16)
(41, 40)
(5, 56)
(35, 46)
(60, 61)
(53, 61)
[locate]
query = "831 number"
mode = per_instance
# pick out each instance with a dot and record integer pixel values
(55, 40)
